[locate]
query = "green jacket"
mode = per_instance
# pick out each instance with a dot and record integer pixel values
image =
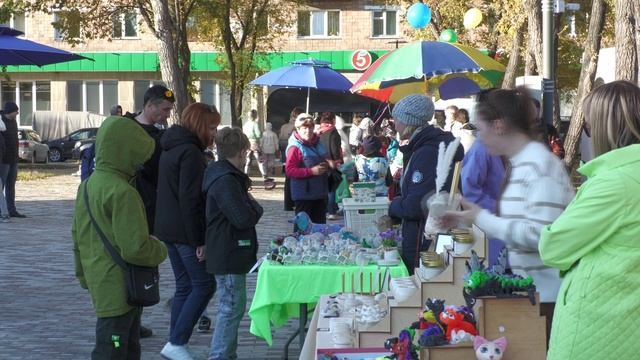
(121, 146)
(596, 245)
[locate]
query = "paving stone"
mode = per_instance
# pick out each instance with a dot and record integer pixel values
(45, 313)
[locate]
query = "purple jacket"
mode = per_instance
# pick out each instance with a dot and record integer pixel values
(482, 176)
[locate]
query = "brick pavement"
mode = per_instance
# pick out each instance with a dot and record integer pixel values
(44, 312)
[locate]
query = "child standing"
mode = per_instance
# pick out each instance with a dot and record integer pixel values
(231, 240)
(269, 145)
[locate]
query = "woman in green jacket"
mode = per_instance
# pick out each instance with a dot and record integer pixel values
(595, 243)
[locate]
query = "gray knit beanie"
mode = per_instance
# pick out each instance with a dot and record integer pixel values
(413, 110)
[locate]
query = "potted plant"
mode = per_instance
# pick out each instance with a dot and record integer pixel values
(390, 244)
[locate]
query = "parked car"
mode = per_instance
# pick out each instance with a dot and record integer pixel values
(62, 149)
(30, 146)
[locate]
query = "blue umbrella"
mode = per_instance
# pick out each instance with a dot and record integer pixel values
(309, 74)
(18, 51)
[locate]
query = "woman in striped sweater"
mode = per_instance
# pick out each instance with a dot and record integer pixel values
(535, 192)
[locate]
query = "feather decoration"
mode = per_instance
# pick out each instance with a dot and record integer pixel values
(445, 160)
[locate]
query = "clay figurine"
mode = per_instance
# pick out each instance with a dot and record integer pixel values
(489, 350)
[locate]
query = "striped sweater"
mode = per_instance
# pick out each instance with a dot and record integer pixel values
(537, 192)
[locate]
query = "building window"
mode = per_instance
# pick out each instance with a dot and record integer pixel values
(93, 96)
(384, 23)
(125, 24)
(139, 88)
(69, 17)
(319, 23)
(16, 21)
(214, 93)
(29, 95)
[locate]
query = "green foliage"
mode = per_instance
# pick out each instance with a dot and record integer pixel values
(389, 243)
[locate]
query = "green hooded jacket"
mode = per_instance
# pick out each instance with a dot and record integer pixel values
(121, 147)
(595, 243)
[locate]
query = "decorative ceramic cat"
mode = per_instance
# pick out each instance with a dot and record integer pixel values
(489, 350)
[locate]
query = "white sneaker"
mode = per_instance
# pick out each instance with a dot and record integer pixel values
(175, 352)
(4, 219)
(331, 217)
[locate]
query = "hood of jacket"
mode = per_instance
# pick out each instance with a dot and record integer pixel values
(178, 135)
(426, 136)
(221, 168)
(122, 146)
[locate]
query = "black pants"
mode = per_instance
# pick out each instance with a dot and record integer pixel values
(546, 310)
(316, 209)
(118, 337)
(288, 201)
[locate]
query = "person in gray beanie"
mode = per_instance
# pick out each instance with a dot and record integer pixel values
(420, 158)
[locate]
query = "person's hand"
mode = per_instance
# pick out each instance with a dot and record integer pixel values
(319, 169)
(200, 252)
(332, 163)
(467, 215)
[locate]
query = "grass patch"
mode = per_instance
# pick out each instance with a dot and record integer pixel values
(33, 175)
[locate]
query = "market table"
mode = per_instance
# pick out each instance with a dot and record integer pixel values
(284, 291)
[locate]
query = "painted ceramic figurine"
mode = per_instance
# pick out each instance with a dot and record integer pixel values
(458, 329)
(303, 225)
(489, 350)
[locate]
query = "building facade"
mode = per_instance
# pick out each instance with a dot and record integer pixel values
(125, 66)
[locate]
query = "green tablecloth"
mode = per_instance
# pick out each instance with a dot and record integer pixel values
(280, 289)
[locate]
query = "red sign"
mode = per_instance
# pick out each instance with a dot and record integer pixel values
(361, 60)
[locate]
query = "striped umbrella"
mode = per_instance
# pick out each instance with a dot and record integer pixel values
(444, 70)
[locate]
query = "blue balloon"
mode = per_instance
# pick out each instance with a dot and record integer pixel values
(419, 15)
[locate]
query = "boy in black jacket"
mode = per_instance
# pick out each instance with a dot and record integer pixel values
(231, 240)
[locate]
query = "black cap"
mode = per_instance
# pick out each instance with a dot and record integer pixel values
(9, 107)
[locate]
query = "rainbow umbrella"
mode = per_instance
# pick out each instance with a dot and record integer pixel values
(444, 70)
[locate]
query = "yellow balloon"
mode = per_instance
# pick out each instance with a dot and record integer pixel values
(472, 18)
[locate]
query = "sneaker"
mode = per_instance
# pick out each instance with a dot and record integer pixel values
(5, 219)
(175, 352)
(331, 217)
(17, 215)
(145, 332)
(204, 324)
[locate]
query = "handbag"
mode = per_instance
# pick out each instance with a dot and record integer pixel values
(142, 282)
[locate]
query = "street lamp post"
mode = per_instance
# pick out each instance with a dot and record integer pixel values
(548, 55)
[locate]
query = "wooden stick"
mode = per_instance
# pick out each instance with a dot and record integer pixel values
(455, 182)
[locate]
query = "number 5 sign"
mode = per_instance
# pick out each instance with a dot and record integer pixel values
(361, 60)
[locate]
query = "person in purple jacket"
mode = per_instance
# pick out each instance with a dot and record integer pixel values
(481, 178)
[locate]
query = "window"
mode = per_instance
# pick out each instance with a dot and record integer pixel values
(139, 88)
(16, 21)
(125, 24)
(29, 95)
(81, 135)
(319, 23)
(93, 96)
(214, 93)
(69, 19)
(384, 23)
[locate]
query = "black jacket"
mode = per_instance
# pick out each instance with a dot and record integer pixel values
(420, 159)
(180, 202)
(146, 180)
(232, 215)
(10, 137)
(332, 142)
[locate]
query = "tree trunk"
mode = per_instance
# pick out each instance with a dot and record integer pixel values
(173, 74)
(533, 8)
(587, 75)
(626, 55)
(509, 81)
(636, 16)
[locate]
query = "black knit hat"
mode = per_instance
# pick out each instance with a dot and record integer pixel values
(9, 107)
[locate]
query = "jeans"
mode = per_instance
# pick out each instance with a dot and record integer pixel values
(232, 293)
(194, 288)
(10, 188)
(332, 206)
(4, 170)
(118, 337)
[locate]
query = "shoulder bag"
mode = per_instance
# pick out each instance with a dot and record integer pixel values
(142, 282)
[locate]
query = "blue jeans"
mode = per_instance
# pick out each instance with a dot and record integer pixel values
(4, 170)
(332, 206)
(194, 289)
(10, 188)
(232, 293)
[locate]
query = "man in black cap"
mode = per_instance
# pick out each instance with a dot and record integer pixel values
(9, 115)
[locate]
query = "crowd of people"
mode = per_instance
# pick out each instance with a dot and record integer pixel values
(153, 194)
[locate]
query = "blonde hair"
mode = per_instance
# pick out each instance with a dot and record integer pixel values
(613, 113)
(198, 118)
(230, 142)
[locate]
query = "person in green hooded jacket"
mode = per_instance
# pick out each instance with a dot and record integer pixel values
(595, 242)
(121, 147)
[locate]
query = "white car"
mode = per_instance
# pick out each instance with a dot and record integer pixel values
(31, 148)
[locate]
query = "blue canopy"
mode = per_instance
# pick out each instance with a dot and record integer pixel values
(309, 74)
(18, 51)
